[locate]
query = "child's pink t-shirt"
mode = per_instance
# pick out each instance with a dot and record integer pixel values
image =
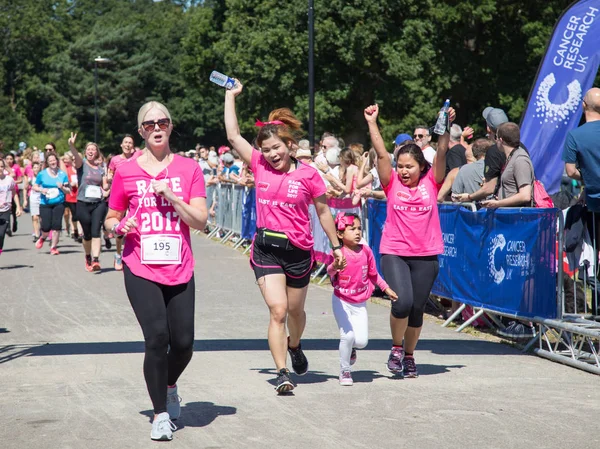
(166, 256)
(282, 199)
(119, 159)
(412, 226)
(356, 282)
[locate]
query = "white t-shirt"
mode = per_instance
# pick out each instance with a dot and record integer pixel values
(376, 184)
(429, 154)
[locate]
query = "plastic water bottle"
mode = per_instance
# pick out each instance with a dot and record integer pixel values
(440, 125)
(222, 80)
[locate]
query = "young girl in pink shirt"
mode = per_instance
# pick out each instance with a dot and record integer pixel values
(412, 237)
(353, 282)
(282, 248)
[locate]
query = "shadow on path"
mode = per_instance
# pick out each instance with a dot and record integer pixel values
(12, 267)
(450, 346)
(197, 414)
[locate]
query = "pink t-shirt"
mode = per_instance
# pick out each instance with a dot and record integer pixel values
(412, 226)
(18, 174)
(31, 176)
(356, 282)
(7, 188)
(119, 160)
(160, 229)
(282, 199)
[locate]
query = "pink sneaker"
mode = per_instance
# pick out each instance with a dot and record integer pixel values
(54, 251)
(39, 243)
(346, 378)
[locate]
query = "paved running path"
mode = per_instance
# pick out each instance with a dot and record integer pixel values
(71, 372)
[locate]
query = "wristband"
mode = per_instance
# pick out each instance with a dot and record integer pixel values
(118, 227)
(337, 247)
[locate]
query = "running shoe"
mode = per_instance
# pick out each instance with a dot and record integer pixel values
(173, 403)
(299, 362)
(39, 243)
(15, 226)
(95, 264)
(8, 232)
(107, 243)
(162, 428)
(88, 263)
(54, 251)
(394, 363)
(34, 237)
(353, 356)
(0, 252)
(410, 367)
(346, 378)
(118, 263)
(284, 383)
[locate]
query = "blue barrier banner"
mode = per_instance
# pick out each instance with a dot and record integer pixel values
(565, 74)
(503, 260)
(376, 213)
(249, 214)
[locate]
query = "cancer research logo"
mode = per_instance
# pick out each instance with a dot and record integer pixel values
(549, 112)
(263, 186)
(498, 242)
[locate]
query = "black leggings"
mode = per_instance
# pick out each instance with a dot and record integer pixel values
(73, 208)
(91, 216)
(4, 224)
(166, 315)
(411, 278)
(51, 217)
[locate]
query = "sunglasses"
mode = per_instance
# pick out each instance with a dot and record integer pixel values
(150, 125)
(419, 136)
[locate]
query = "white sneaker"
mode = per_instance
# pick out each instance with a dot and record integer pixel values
(346, 378)
(162, 428)
(173, 403)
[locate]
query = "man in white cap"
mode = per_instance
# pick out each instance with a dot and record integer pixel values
(494, 157)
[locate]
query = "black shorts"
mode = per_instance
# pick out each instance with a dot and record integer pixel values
(294, 262)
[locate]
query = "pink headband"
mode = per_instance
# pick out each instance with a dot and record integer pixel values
(342, 220)
(260, 124)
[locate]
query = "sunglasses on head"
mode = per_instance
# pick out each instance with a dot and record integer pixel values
(419, 136)
(150, 125)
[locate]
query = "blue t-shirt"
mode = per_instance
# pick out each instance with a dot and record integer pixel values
(582, 147)
(46, 181)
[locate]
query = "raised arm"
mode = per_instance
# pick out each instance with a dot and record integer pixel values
(439, 163)
(241, 145)
(77, 160)
(384, 165)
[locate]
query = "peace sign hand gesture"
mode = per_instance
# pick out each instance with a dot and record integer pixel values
(72, 139)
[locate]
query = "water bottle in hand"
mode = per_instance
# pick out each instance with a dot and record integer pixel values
(440, 125)
(222, 80)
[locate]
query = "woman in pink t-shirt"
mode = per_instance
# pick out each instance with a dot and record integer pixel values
(412, 237)
(282, 248)
(154, 201)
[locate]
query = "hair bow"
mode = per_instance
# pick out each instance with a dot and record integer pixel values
(260, 124)
(342, 220)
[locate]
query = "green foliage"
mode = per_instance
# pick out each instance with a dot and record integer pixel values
(406, 55)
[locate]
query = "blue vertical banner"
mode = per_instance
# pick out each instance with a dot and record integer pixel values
(248, 214)
(567, 71)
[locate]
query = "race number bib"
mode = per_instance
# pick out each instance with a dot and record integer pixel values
(73, 179)
(94, 192)
(52, 193)
(161, 249)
